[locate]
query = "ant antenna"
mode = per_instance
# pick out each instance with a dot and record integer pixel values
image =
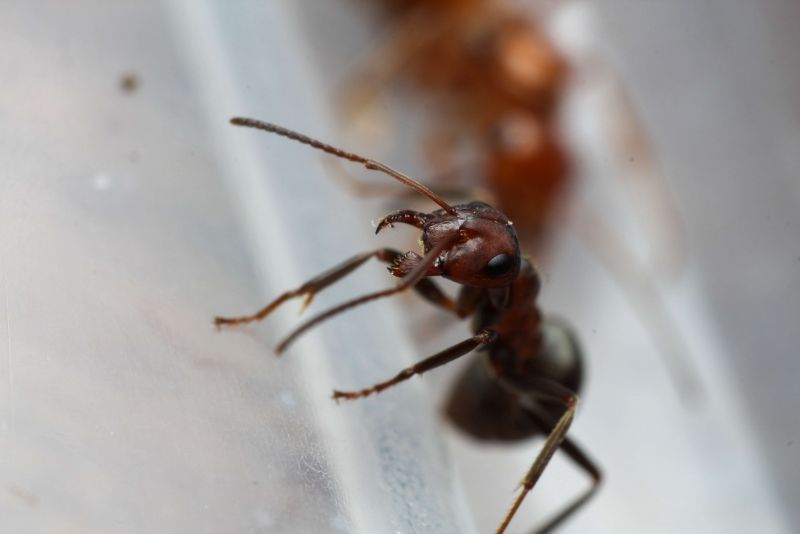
(338, 152)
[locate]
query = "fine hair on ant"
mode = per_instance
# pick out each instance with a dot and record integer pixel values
(525, 383)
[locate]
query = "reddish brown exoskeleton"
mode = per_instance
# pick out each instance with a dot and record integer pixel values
(526, 381)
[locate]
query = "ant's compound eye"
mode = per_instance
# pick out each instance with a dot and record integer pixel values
(500, 265)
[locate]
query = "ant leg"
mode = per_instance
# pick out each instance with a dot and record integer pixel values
(430, 291)
(426, 288)
(483, 337)
(465, 304)
(468, 298)
(410, 279)
(549, 390)
(571, 449)
(576, 454)
(313, 286)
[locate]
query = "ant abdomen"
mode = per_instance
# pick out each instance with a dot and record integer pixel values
(495, 399)
(480, 407)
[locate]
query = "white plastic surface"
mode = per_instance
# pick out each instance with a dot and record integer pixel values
(127, 221)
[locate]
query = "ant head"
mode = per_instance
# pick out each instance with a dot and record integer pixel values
(484, 250)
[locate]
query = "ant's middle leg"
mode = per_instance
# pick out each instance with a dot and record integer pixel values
(466, 303)
(482, 338)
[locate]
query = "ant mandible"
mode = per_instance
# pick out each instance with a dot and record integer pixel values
(526, 385)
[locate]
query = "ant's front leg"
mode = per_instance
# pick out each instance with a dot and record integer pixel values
(313, 286)
(482, 338)
(468, 298)
(399, 264)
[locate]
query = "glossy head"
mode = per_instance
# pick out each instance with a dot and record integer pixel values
(485, 250)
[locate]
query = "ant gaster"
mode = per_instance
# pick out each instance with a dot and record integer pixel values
(526, 383)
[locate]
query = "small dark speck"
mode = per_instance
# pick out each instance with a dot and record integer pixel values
(129, 83)
(789, 443)
(24, 495)
(255, 482)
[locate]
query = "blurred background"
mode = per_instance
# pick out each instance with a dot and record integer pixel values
(646, 153)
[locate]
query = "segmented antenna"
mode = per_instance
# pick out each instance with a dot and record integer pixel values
(338, 152)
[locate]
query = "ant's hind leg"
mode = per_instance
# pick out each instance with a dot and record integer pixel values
(545, 389)
(456, 351)
(312, 287)
(580, 458)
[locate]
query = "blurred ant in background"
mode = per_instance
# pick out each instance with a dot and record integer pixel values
(526, 381)
(497, 81)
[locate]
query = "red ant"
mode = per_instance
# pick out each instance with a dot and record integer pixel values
(526, 383)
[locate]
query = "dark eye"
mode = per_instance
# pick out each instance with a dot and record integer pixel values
(499, 265)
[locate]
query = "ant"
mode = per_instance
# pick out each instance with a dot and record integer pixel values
(526, 382)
